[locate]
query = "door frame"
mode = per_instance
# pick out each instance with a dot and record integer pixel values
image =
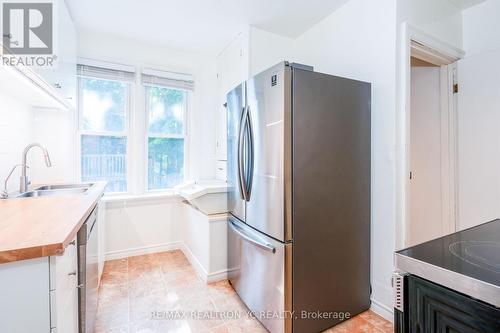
(435, 51)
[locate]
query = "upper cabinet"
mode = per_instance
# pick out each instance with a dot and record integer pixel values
(50, 86)
(251, 52)
(62, 77)
(231, 71)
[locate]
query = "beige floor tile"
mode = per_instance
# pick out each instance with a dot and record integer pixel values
(140, 295)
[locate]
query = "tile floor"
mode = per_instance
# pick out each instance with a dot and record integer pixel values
(137, 293)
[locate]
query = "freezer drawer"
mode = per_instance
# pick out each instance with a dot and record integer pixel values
(258, 273)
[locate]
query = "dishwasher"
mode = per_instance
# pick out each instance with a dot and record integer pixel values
(88, 273)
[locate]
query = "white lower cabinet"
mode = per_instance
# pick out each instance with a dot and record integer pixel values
(40, 295)
(64, 290)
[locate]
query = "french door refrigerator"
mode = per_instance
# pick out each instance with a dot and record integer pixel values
(299, 199)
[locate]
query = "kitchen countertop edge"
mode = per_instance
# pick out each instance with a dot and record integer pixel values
(54, 248)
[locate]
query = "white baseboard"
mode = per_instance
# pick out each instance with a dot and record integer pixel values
(217, 276)
(382, 310)
(119, 254)
(200, 270)
(198, 267)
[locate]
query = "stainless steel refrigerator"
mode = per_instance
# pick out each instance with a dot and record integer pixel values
(299, 200)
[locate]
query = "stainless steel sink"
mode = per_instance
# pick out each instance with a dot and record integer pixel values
(52, 190)
(44, 193)
(64, 187)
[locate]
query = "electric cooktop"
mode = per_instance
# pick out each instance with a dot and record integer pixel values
(474, 252)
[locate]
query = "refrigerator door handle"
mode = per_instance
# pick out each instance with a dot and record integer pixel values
(251, 156)
(257, 242)
(241, 147)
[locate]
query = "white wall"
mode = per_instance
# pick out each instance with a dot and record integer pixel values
(139, 226)
(266, 49)
(55, 129)
(358, 41)
(15, 134)
(478, 116)
(478, 139)
(439, 18)
(481, 28)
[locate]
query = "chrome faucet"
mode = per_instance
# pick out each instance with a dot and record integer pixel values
(5, 193)
(24, 181)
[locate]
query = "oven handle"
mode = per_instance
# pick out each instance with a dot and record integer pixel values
(257, 242)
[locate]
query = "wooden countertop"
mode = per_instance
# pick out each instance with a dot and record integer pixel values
(43, 226)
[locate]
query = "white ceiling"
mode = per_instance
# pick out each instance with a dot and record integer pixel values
(204, 25)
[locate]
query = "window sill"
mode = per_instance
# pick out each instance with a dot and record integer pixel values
(141, 198)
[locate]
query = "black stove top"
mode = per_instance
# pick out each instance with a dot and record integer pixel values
(473, 252)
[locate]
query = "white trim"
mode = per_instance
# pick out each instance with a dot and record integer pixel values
(195, 263)
(185, 136)
(200, 270)
(198, 267)
(118, 200)
(217, 276)
(432, 44)
(409, 33)
(106, 64)
(223, 217)
(449, 146)
(168, 74)
(382, 310)
(126, 132)
(138, 251)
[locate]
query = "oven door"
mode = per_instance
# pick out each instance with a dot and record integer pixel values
(257, 272)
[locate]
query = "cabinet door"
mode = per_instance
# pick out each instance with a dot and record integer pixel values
(230, 73)
(63, 75)
(437, 309)
(64, 292)
(24, 296)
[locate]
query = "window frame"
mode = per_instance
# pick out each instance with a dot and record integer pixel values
(125, 133)
(146, 135)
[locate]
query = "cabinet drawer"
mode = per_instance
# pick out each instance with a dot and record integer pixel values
(64, 269)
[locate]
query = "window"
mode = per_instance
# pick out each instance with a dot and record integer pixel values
(135, 147)
(166, 110)
(103, 124)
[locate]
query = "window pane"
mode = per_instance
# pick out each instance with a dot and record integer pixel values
(104, 158)
(166, 109)
(165, 163)
(103, 104)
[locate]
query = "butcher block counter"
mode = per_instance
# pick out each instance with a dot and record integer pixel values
(43, 226)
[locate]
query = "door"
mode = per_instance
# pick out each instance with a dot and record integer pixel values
(235, 108)
(426, 152)
(269, 108)
(257, 272)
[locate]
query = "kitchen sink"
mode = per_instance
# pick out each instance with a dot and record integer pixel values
(52, 190)
(44, 193)
(64, 187)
